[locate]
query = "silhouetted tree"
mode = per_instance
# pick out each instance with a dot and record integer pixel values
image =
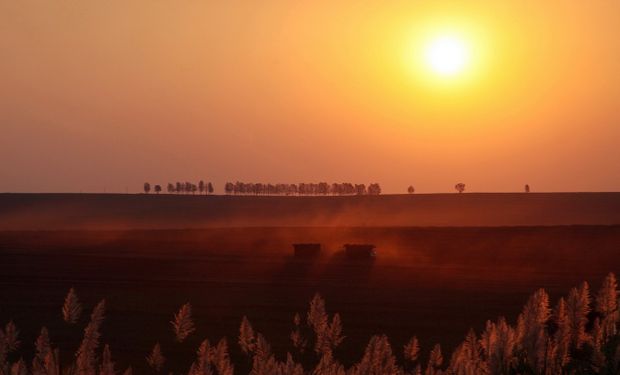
(360, 189)
(210, 188)
(374, 189)
(157, 189)
(527, 188)
(147, 187)
(201, 186)
(410, 190)
(171, 189)
(460, 187)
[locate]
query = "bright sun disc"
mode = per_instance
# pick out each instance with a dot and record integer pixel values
(446, 55)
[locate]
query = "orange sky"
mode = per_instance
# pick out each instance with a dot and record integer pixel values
(108, 94)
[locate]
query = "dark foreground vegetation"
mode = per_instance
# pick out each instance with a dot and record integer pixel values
(578, 336)
(433, 283)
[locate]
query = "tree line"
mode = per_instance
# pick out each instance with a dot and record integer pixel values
(250, 188)
(580, 335)
(182, 188)
(321, 188)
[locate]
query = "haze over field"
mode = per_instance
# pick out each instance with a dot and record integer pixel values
(107, 95)
(120, 212)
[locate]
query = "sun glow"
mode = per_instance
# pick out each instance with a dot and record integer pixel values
(446, 55)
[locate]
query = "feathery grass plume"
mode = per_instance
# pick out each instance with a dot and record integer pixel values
(11, 337)
(318, 320)
(434, 361)
(598, 357)
(597, 333)
(531, 329)
(577, 309)
(42, 347)
(52, 363)
(156, 359)
(72, 308)
(107, 366)
(498, 343)
(221, 359)
(378, 358)
(19, 368)
(459, 365)
(607, 306)
(263, 349)
(562, 336)
(328, 366)
(551, 360)
(9, 342)
(290, 367)
(263, 362)
(85, 356)
(247, 337)
(183, 325)
(299, 342)
(335, 336)
(411, 350)
(202, 365)
(466, 359)
(317, 317)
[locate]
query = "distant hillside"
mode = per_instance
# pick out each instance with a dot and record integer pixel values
(119, 211)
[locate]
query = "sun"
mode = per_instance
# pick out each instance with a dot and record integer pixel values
(447, 55)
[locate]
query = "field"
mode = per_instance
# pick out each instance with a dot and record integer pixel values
(434, 282)
(122, 211)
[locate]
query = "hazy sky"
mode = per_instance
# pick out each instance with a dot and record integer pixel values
(109, 94)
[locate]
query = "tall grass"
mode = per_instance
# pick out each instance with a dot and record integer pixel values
(579, 335)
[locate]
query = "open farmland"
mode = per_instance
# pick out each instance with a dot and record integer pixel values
(432, 282)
